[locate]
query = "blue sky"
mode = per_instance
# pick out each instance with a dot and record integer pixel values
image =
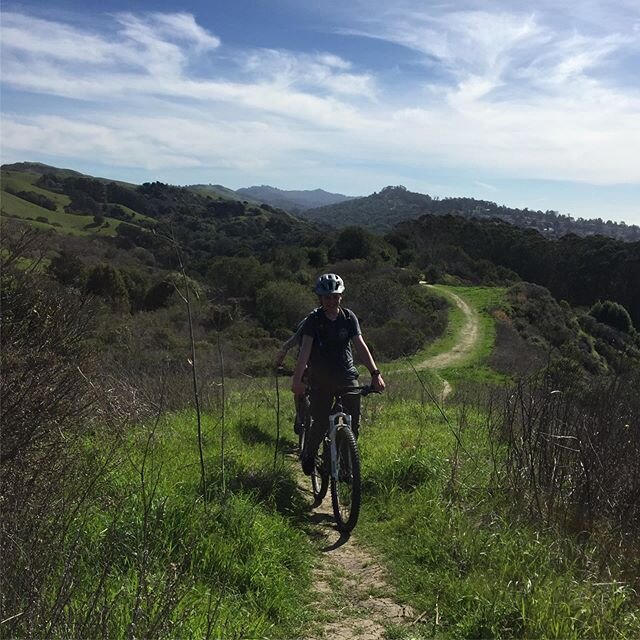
(532, 104)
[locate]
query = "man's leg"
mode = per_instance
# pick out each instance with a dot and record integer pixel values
(351, 404)
(321, 399)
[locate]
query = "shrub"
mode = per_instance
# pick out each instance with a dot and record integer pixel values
(44, 413)
(394, 340)
(67, 268)
(282, 304)
(573, 449)
(106, 282)
(612, 314)
(238, 277)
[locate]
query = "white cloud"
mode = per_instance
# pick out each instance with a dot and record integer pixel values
(513, 94)
(322, 71)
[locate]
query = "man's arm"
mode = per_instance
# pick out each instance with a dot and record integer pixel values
(284, 349)
(297, 386)
(367, 360)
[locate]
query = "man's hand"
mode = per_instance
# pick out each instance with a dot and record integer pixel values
(377, 382)
(298, 387)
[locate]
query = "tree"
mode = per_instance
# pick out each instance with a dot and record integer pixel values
(352, 243)
(281, 304)
(238, 277)
(67, 269)
(612, 314)
(106, 282)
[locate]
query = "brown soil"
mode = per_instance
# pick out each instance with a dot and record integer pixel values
(350, 586)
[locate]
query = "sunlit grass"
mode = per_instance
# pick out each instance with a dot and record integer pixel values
(455, 544)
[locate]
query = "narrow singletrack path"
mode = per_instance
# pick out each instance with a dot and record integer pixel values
(350, 585)
(466, 340)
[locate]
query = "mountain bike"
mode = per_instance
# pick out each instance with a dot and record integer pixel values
(337, 461)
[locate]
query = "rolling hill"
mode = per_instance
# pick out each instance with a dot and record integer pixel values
(381, 211)
(294, 201)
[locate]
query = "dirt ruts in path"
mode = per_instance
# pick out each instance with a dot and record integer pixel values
(467, 339)
(351, 589)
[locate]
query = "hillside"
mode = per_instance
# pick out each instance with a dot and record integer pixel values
(578, 270)
(294, 201)
(382, 211)
(207, 220)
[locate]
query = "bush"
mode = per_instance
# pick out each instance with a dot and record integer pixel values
(67, 269)
(612, 314)
(238, 277)
(45, 411)
(282, 304)
(106, 282)
(573, 449)
(394, 340)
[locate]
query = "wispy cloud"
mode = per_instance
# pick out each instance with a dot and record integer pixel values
(321, 71)
(501, 90)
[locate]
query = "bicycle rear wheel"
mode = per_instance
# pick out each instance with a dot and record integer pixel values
(320, 476)
(306, 423)
(345, 491)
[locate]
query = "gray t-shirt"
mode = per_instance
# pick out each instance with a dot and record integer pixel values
(331, 360)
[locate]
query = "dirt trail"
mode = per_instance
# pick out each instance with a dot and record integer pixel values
(467, 339)
(350, 585)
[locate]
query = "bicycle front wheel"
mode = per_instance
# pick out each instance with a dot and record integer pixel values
(345, 489)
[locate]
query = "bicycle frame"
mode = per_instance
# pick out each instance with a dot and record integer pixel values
(336, 421)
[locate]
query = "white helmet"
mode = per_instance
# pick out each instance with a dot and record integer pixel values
(329, 283)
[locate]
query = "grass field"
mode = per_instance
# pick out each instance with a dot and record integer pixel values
(62, 222)
(458, 552)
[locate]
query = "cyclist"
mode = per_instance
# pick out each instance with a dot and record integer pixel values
(295, 339)
(327, 335)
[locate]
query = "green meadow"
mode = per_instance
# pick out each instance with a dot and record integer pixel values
(45, 219)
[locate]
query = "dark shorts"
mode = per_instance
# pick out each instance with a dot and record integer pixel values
(322, 397)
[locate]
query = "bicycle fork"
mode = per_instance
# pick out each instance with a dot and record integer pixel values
(336, 421)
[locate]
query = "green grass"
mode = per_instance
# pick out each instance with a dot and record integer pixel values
(62, 222)
(167, 567)
(454, 544)
(475, 366)
(25, 182)
(71, 224)
(432, 509)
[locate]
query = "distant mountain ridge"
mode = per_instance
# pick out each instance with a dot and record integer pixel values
(294, 201)
(381, 211)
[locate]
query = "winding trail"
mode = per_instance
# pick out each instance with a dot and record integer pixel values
(350, 585)
(466, 340)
